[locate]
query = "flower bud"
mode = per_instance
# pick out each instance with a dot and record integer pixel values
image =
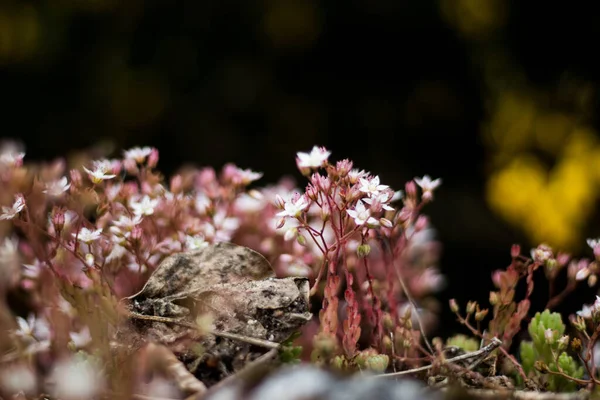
(363, 250)
(515, 251)
(592, 280)
(301, 239)
(386, 223)
(471, 307)
(480, 314)
(411, 189)
(563, 342)
(454, 306)
(153, 158)
(58, 220)
(76, 178)
(176, 184)
(89, 260)
(136, 233)
(494, 298)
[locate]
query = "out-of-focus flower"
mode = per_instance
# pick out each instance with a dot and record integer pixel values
(542, 253)
(195, 242)
(315, 159)
(88, 236)
(11, 155)
(57, 188)
(427, 184)
(76, 379)
(362, 215)
(145, 206)
(32, 327)
(18, 378)
(138, 154)
(100, 172)
(82, 338)
(14, 210)
(9, 261)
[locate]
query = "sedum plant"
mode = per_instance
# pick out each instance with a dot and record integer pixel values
(545, 359)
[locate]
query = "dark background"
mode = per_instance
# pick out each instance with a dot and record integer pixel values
(403, 88)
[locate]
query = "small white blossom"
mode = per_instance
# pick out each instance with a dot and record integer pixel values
(10, 156)
(33, 327)
(315, 159)
(427, 184)
(18, 378)
(247, 176)
(128, 223)
(362, 215)
(15, 209)
(294, 208)
(82, 338)
(145, 206)
(76, 379)
(100, 171)
(371, 186)
(57, 188)
(87, 236)
(383, 198)
(585, 312)
(195, 242)
(138, 154)
(117, 251)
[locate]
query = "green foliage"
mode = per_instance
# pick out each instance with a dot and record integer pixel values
(288, 353)
(546, 353)
(465, 342)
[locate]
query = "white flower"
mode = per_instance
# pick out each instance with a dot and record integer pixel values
(145, 206)
(427, 184)
(195, 242)
(247, 176)
(76, 379)
(294, 208)
(15, 209)
(10, 156)
(138, 154)
(382, 198)
(32, 271)
(18, 378)
(315, 159)
(99, 173)
(371, 186)
(82, 338)
(32, 328)
(585, 312)
(128, 223)
(362, 215)
(117, 251)
(57, 188)
(87, 236)
(593, 243)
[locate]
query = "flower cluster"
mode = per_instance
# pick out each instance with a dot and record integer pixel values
(76, 238)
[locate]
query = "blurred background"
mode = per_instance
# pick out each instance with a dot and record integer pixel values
(496, 97)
